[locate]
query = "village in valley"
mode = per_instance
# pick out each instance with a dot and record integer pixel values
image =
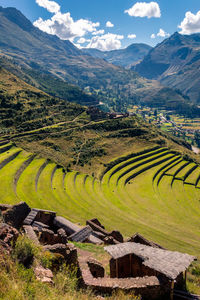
(180, 126)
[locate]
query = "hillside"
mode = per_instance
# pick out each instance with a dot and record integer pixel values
(76, 161)
(23, 107)
(44, 56)
(123, 57)
(175, 63)
(81, 167)
(47, 83)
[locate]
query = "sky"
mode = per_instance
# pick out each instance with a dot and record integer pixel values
(111, 24)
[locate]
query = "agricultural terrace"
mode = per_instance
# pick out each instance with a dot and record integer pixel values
(155, 192)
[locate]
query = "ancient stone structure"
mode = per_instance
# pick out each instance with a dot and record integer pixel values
(96, 268)
(138, 266)
(68, 251)
(138, 238)
(113, 237)
(137, 260)
(8, 234)
(81, 235)
(31, 234)
(16, 214)
(149, 287)
(70, 228)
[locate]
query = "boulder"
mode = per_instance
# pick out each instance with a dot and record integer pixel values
(44, 275)
(16, 215)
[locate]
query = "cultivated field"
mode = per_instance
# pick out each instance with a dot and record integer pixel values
(155, 192)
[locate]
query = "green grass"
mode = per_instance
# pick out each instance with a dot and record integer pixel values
(192, 178)
(135, 195)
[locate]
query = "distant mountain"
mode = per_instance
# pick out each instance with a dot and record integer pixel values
(175, 63)
(123, 57)
(49, 84)
(52, 64)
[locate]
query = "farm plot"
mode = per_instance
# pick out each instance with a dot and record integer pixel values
(155, 192)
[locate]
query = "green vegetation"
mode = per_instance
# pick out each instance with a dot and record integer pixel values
(17, 279)
(147, 192)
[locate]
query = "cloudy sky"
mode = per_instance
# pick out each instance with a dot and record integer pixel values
(111, 24)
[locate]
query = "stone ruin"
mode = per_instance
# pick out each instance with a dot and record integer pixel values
(53, 233)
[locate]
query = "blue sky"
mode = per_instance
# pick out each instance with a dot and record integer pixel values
(111, 24)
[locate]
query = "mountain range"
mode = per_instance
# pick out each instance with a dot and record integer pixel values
(126, 58)
(175, 63)
(57, 66)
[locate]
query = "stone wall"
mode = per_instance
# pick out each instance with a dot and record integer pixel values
(149, 287)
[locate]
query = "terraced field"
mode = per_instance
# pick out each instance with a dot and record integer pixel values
(155, 192)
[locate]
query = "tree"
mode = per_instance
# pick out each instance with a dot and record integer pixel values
(197, 137)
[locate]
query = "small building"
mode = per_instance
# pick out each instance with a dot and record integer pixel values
(138, 260)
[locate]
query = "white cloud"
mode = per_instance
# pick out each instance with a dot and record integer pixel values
(65, 27)
(143, 9)
(162, 33)
(106, 42)
(190, 24)
(81, 40)
(109, 24)
(101, 31)
(51, 6)
(131, 36)
(78, 46)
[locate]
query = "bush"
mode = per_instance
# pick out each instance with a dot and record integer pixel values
(24, 251)
(196, 271)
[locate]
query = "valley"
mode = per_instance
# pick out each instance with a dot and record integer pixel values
(109, 136)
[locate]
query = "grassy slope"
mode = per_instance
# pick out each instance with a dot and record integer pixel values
(24, 107)
(168, 214)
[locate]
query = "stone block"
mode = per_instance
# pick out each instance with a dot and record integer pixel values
(16, 215)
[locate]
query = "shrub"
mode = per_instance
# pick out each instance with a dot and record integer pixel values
(196, 271)
(24, 251)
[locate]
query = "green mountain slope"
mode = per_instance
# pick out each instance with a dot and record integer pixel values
(81, 166)
(48, 83)
(39, 53)
(175, 63)
(23, 107)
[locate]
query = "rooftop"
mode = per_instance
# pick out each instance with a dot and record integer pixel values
(169, 263)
